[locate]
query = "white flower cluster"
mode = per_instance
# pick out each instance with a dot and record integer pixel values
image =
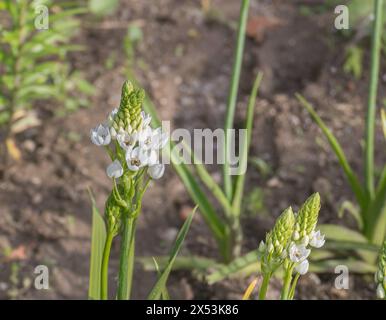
(298, 253)
(141, 147)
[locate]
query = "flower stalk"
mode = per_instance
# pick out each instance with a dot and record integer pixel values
(134, 149)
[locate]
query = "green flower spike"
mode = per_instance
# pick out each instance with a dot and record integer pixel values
(129, 116)
(307, 219)
(277, 240)
(380, 276)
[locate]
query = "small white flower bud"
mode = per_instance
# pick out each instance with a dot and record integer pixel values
(380, 292)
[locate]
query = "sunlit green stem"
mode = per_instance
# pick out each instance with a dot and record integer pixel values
(372, 99)
(105, 266)
(287, 282)
(126, 263)
(264, 286)
(293, 287)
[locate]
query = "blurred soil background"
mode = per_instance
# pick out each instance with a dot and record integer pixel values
(184, 61)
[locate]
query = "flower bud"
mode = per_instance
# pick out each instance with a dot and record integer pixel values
(308, 217)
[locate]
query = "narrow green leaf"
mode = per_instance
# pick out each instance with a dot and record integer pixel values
(350, 175)
(237, 266)
(164, 294)
(341, 235)
(160, 285)
(234, 86)
(103, 7)
(196, 263)
(355, 266)
(378, 25)
(348, 206)
(240, 180)
(98, 238)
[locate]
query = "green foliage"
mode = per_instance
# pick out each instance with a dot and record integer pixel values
(370, 211)
(98, 238)
(160, 286)
(103, 7)
(354, 61)
(33, 58)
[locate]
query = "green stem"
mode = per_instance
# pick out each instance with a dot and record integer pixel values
(264, 286)
(105, 266)
(372, 100)
(126, 262)
(231, 105)
(287, 283)
(293, 287)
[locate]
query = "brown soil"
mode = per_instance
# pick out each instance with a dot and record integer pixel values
(186, 60)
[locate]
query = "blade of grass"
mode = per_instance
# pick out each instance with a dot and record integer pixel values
(160, 285)
(372, 100)
(164, 294)
(350, 175)
(232, 98)
(240, 180)
(98, 239)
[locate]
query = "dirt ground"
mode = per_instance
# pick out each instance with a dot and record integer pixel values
(185, 65)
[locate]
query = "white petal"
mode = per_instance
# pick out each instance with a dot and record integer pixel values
(302, 267)
(114, 170)
(380, 292)
(156, 171)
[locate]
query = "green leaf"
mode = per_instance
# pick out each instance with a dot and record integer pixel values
(354, 62)
(236, 267)
(339, 237)
(348, 206)
(103, 7)
(240, 180)
(164, 294)
(160, 285)
(340, 233)
(354, 266)
(98, 238)
(196, 263)
(233, 90)
(350, 175)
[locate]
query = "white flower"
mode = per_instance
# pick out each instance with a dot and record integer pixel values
(152, 157)
(317, 239)
(126, 140)
(380, 291)
(156, 171)
(114, 170)
(136, 158)
(298, 253)
(152, 139)
(302, 267)
(146, 119)
(110, 118)
(100, 135)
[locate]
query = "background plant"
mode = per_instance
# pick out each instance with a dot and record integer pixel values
(369, 210)
(34, 64)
